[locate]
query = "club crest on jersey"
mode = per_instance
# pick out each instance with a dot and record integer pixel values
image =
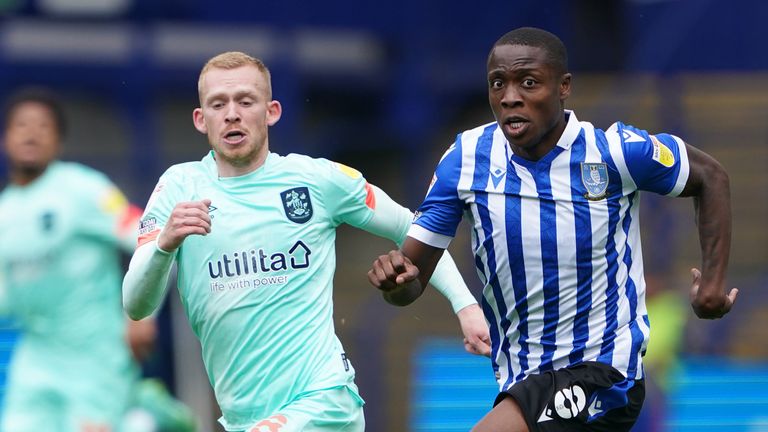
(594, 176)
(297, 204)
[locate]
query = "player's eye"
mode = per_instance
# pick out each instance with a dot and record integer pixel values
(496, 83)
(529, 82)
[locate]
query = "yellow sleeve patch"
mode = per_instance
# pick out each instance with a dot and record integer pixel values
(661, 153)
(113, 201)
(349, 171)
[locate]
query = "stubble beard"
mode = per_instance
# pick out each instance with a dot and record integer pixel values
(241, 160)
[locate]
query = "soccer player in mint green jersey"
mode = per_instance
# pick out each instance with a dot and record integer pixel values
(253, 234)
(62, 226)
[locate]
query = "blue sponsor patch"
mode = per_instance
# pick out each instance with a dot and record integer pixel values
(297, 204)
(594, 176)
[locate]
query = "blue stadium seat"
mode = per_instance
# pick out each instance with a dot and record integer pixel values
(452, 390)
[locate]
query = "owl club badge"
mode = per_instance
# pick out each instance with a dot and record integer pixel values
(297, 204)
(594, 176)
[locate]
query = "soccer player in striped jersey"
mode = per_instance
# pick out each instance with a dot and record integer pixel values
(553, 208)
(62, 226)
(253, 234)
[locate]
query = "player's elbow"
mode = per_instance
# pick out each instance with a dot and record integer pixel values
(405, 294)
(399, 300)
(135, 313)
(716, 177)
(708, 306)
(134, 307)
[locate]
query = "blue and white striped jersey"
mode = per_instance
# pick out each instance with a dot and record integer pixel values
(556, 241)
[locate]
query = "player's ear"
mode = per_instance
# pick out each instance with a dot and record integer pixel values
(565, 86)
(199, 120)
(274, 111)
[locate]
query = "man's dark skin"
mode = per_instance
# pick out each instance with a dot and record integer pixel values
(527, 94)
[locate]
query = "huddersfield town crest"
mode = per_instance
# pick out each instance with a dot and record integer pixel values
(595, 179)
(297, 205)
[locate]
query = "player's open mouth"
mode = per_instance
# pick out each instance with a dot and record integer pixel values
(516, 126)
(234, 137)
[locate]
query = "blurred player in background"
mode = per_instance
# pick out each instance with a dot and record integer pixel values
(62, 227)
(553, 204)
(253, 233)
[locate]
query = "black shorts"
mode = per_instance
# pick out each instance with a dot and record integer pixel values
(589, 396)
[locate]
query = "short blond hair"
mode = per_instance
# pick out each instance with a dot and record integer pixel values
(233, 60)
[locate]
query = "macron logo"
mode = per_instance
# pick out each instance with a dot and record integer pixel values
(496, 177)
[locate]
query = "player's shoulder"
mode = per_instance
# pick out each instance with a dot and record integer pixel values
(319, 167)
(481, 129)
(488, 134)
(627, 133)
(471, 136)
(298, 161)
(468, 141)
(77, 175)
(185, 171)
(75, 170)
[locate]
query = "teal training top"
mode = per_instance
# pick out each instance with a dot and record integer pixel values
(258, 289)
(60, 265)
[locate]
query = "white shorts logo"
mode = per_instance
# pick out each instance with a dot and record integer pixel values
(570, 401)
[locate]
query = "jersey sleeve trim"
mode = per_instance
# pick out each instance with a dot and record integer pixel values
(370, 197)
(682, 177)
(148, 237)
(613, 136)
(426, 236)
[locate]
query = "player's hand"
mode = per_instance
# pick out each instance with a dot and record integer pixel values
(391, 271)
(710, 302)
(187, 218)
(477, 339)
(141, 337)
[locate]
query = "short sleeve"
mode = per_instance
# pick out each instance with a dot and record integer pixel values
(442, 209)
(165, 196)
(656, 163)
(347, 196)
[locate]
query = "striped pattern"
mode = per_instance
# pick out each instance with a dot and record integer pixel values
(562, 274)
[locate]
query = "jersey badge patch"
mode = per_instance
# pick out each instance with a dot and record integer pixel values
(594, 176)
(114, 201)
(147, 225)
(661, 153)
(297, 204)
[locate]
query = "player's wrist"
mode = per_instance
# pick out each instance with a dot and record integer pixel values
(164, 250)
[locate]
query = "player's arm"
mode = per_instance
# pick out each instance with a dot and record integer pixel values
(403, 274)
(709, 186)
(392, 221)
(146, 281)
(141, 336)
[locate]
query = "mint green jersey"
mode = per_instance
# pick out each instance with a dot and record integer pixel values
(258, 289)
(60, 265)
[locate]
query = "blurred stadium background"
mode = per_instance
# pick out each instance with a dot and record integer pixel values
(384, 87)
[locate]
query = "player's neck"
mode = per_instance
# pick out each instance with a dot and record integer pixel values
(23, 176)
(229, 168)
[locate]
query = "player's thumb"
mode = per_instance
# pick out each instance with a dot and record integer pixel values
(411, 272)
(207, 202)
(696, 275)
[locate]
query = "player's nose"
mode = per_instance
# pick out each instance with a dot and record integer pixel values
(232, 114)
